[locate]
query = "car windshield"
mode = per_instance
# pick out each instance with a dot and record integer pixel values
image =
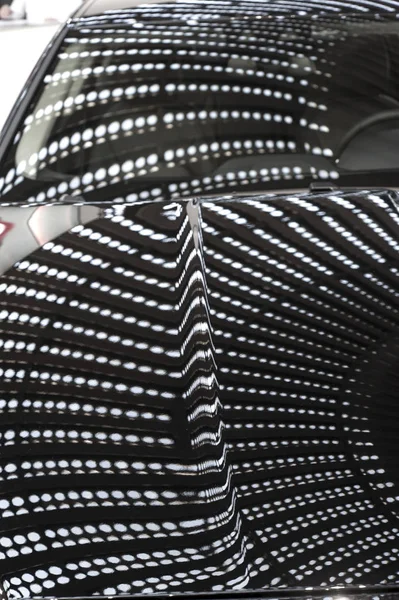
(164, 101)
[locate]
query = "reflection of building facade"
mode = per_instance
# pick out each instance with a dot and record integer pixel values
(195, 395)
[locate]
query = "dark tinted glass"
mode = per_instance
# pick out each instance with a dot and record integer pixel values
(167, 101)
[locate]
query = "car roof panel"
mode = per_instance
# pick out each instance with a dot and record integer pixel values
(98, 7)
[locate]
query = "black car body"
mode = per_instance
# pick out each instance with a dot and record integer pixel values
(199, 321)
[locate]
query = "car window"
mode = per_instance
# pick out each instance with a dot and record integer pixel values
(167, 107)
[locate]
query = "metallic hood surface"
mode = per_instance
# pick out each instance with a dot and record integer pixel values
(199, 396)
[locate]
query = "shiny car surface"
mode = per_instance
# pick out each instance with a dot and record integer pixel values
(199, 319)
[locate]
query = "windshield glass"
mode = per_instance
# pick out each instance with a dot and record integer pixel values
(163, 102)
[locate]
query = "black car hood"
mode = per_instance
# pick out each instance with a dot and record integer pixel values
(199, 396)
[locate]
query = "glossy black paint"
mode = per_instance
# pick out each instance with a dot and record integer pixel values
(101, 7)
(200, 396)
